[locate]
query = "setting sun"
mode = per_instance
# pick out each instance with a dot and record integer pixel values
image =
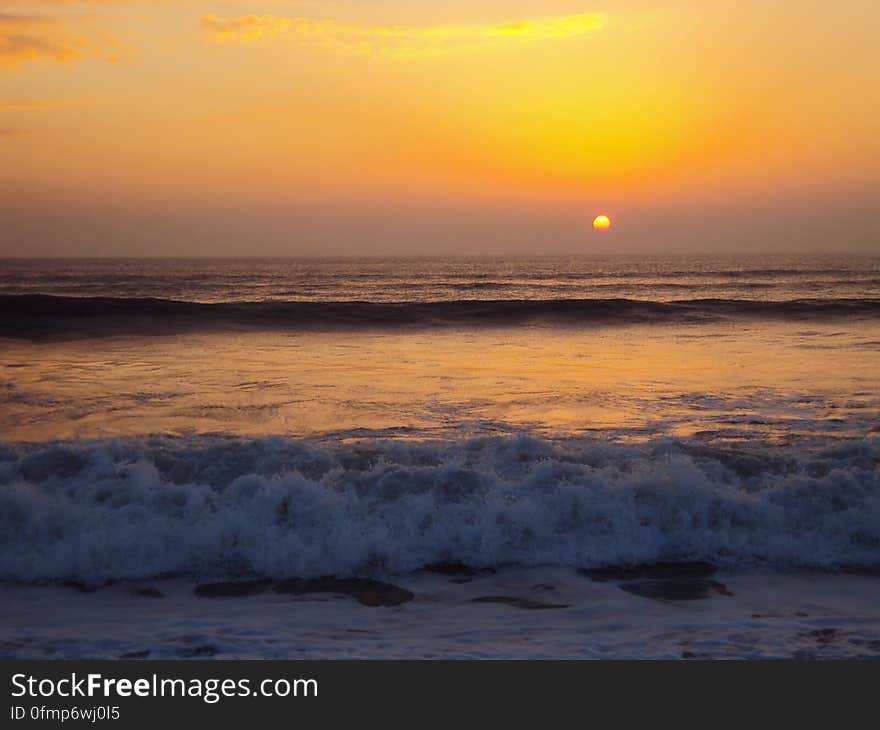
(601, 222)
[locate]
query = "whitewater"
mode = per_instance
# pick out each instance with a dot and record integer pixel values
(221, 508)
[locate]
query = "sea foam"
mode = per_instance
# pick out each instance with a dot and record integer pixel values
(221, 506)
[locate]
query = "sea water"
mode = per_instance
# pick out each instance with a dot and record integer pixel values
(213, 419)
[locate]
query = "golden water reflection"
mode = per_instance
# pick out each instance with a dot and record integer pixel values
(718, 381)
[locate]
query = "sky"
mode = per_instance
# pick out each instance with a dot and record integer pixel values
(372, 127)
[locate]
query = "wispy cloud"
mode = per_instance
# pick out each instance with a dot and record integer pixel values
(245, 28)
(25, 38)
(66, 3)
(7, 104)
(396, 39)
(32, 37)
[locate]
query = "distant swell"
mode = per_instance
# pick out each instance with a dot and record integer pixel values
(34, 316)
(218, 506)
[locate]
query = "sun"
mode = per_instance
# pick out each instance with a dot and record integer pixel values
(601, 222)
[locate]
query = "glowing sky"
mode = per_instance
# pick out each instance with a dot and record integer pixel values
(284, 127)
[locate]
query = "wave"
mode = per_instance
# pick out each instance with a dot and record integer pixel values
(44, 315)
(222, 506)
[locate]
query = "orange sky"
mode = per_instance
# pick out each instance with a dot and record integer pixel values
(276, 127)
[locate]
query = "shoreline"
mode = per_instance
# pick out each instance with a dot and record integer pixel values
(514, 613)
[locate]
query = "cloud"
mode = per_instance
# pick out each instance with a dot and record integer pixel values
(396, 39)
(245, 28)
(25, 38)
(23, 104)
(32, 37)
(12, 132)
(57, 3)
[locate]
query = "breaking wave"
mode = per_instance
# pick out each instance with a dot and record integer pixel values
(222, 506)
(44, 315)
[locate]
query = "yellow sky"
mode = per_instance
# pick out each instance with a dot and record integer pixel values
(325, 117)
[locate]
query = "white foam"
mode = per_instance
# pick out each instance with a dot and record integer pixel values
(129, 509)
(768, 616)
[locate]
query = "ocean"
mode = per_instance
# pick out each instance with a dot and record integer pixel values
(516, 426)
